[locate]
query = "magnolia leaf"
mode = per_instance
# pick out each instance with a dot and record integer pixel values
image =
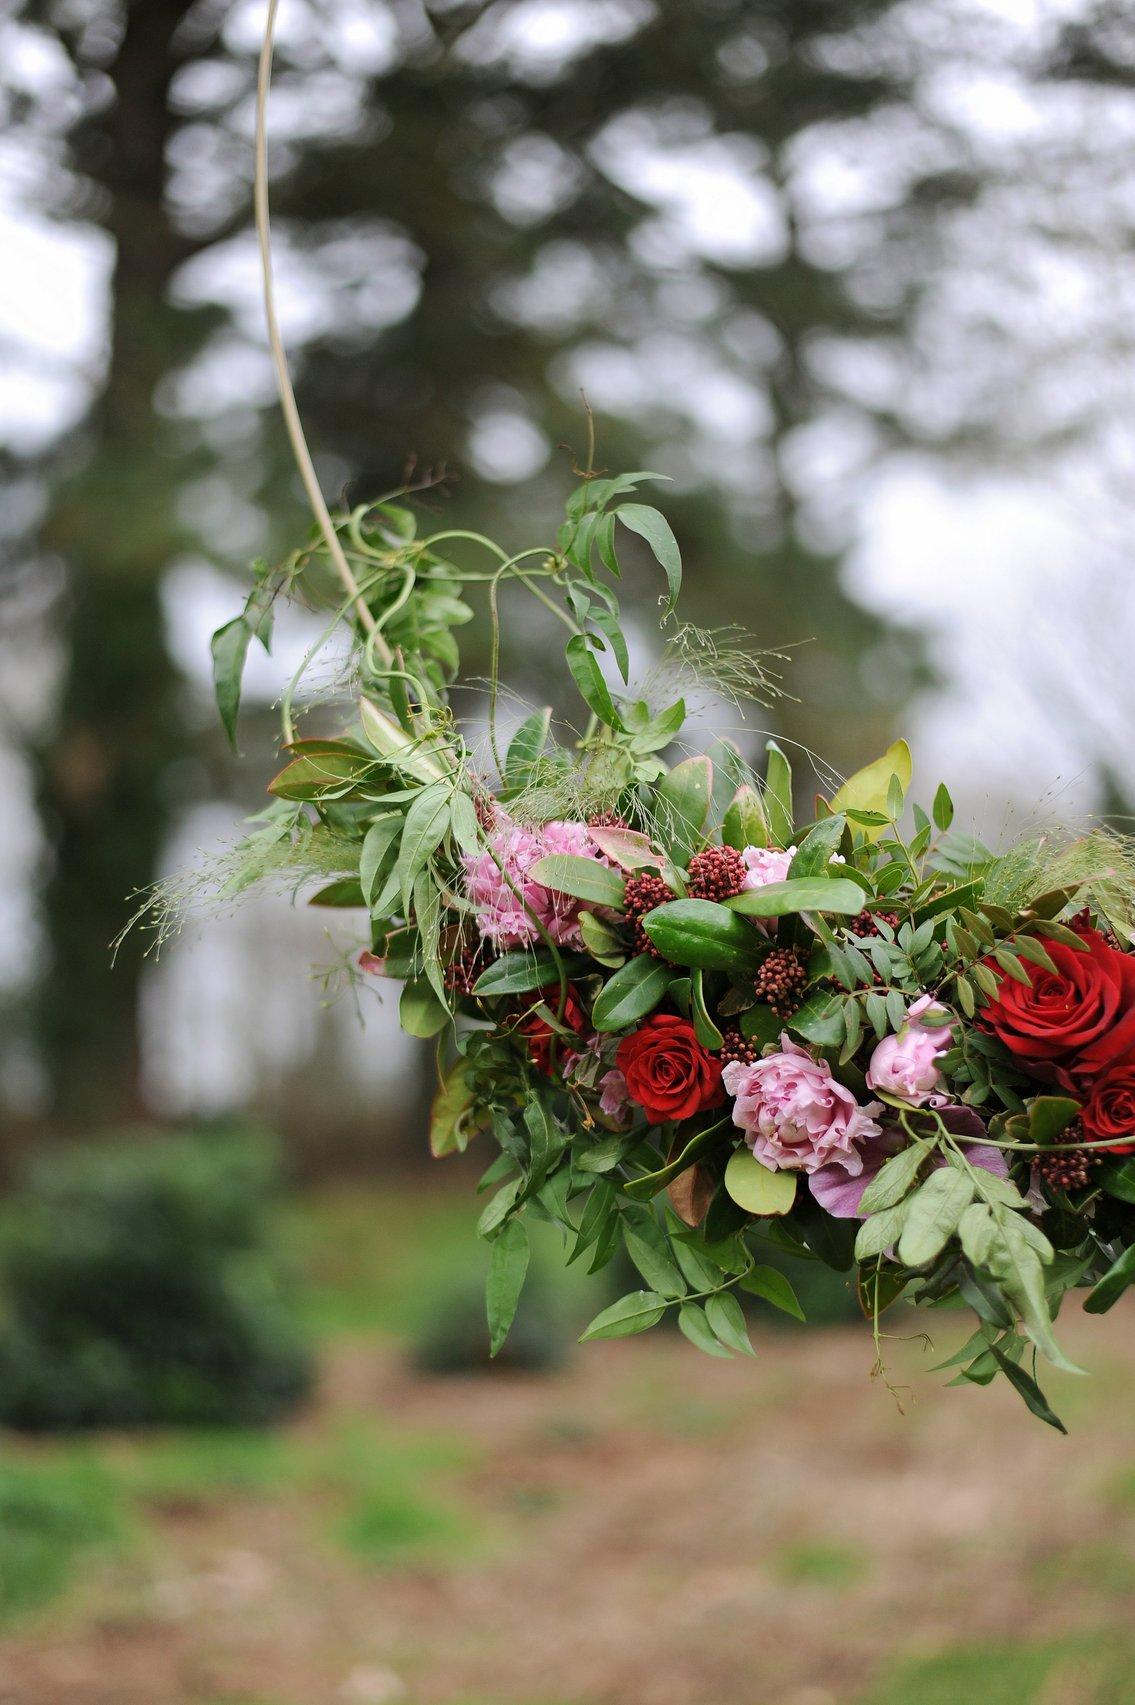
(756, 1188)
(745, 823)
(702, 935)
(691, 1193)
(778, 796)
(806, 894)
(634, 990)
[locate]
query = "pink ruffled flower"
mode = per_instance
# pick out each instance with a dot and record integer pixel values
(504, 916)
(766, 864)
(795, 1115)
(906, 1065)
(841, 1195)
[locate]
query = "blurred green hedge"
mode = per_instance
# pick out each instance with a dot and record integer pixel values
(140, 1285)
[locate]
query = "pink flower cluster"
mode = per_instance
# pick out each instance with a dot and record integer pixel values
(795, 1115)
(504, 915)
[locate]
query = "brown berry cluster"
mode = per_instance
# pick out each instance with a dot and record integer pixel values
(867, 923)
(1069, 1169)
(485, 807)
(736, 1050)
(643, 891)
(716, 874)
(781, 980)
(462, 973)
(607, 820)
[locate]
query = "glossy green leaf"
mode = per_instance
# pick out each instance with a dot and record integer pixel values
(1111, 1287)
(772, 1285)
(681, 806)
(727, 1322)
(807, 894)
(588, 677)
(427, 822)
(702, 934)
(635, 989)
(778, 796)
(814, 857)
(869, 789)
(657, 1268)
(745, 823)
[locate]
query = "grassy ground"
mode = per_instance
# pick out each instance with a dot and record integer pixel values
(639, 1527)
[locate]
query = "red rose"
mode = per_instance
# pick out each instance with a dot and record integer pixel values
(1079, 1019)
(1110, 1109)
(539, 1034)
(668, 1072)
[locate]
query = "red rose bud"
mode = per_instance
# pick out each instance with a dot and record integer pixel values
(540, 1035)
(1080, 1019)
(668, 1072)
(1110, 1110)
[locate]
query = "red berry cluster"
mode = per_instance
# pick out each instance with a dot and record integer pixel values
(607, 820)
(643, 891)
(736, 1050)
(781, 980)
(716, 874)
(867, 923)
(1069, 1169)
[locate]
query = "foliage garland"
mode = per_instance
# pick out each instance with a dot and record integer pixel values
(695, 1026)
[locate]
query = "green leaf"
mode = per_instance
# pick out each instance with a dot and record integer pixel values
(605, 541)
(943, 808)
(635, 1312)
(634, 990)
(760, 1024)
(744, 823)
(588, 677)
(420, 1012)
(427, 916)
(582, 878)
(653, 526)
(815, 854)
(1118, 1180)
(463, 824)
(405, 751)
(807, 894)
(499, 1207)
(508, 1266)
(707, 1032)
(346, 891)
(649, 1184)
(778, 796)
(681, 806)
(893, 1179)
(377, 842)
(601, 941)
(819, 1020)
(451, 1102)
(427, 821)
(768, 1283)
(881, 1231)
(319, 775)
(659, 1271)
(932, 1215)
(693, 1324)
(1113, 1284)
(517, 972)
(1029, 1390)
(229, 646)
(1050, 1116)
(526, 747)
(869, 788)
(703, 935)
(723, 1312)
(756, 1188)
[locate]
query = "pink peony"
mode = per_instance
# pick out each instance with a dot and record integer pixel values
(505, 916)
(796, 1115)
(766, 864)
(906, 1065)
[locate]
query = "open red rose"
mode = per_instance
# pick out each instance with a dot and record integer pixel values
(539, 1034)
(1080, 1019)
(668, 1072)
(1110, 1109)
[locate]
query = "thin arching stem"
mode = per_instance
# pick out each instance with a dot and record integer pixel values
(279, 357)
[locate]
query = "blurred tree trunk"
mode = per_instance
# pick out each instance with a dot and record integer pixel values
(102, 770)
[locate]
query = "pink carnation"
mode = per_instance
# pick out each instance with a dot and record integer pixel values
(504, 916)
(906, 1065)
(795, 1115)
(766, 864)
